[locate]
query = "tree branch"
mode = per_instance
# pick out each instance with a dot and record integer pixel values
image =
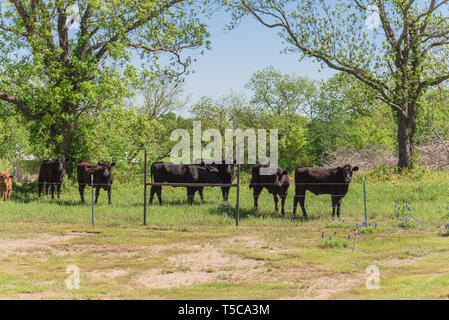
(19, 103)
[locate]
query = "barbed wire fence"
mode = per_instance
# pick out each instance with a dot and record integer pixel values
(27, 190)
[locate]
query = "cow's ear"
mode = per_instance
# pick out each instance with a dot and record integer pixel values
(285, 172)
(355, 169)
(112, 164)
(11, 176)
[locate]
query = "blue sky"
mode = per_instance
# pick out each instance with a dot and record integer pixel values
(236, 54)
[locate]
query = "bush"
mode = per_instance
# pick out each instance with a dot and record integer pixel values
(333, 243)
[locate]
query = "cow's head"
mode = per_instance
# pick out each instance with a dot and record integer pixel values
(226, 170)
(346, 172)
(61, 162)
(283, 178)
(5, 177)
(106, 168)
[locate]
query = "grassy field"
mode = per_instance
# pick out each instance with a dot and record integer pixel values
(196, 252)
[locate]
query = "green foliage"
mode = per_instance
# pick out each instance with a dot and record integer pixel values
(369, 229)
(433, 115)
(295, 150)
(341, 224)
(410, 224)
(379, 173)
(281, 94)
(399, 64)
(13, 139)
(57, 77)
(333, 243)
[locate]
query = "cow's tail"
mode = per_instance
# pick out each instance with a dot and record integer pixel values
(254, 175)
(151, 173)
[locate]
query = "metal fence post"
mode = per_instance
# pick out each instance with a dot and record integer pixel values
(145, 193)
(364, 202)
(237, 206)
(92, 185)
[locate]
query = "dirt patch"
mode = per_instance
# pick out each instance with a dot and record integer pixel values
(398, 262)
(108, 275)
(42, 243)
(37, 296)
(201, 265)
(190, 264)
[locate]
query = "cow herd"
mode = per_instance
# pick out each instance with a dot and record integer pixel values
(275, 179)
(334, 181)
(51, 176)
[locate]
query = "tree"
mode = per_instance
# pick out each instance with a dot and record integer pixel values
(124, 134)
(345, 115)
(13, 138)
(281, 94)
(162, 96)
(56, 71)
(400, 62)
(433, 115)
(228, 112)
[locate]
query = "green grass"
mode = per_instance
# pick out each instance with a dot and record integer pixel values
(266, 257)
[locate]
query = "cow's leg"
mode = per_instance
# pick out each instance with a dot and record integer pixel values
(46, 188)
(201, 192)
(97, 193)
(225, 193)
(52, 188)
(59, 190)
(110, 195)
(81, 188)
(9, 195)
(283, 198)
(40, 187)
(190, 195)
(159, 194)
(256, 193)
(300, 195)
(152, 192)
(302, 199)
(276, 208)
(336, 203)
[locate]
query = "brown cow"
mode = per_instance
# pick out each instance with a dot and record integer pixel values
(5, 185)
(102, 177)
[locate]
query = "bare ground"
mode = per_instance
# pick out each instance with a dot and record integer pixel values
(188, 264)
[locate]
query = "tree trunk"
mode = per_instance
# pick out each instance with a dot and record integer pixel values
(406, 127)
(67, 139)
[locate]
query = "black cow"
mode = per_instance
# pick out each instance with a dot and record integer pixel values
(333, 181)
(51, 174)
(275, 179)
(162, 172)
(102, 177)
(225, 174)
